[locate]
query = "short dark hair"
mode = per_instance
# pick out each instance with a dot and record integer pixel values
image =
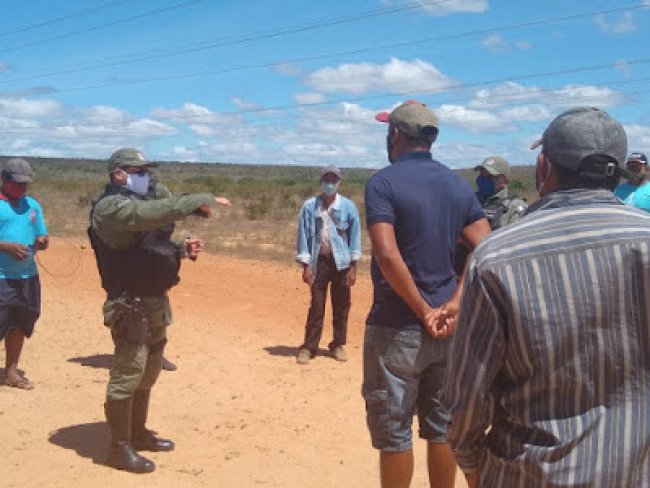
(420, 140)
(596, 171)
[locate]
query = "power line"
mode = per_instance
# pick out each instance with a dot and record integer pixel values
(554, 96)
(63, 18)
(315, 57)
(101, 26)
(230, 40)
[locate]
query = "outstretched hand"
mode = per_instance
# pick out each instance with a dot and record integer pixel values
(224, 202)
(206, 211)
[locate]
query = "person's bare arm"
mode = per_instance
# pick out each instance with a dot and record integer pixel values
(15, 250)
(471, 236)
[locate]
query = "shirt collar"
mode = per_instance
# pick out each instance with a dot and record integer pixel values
(413, 155)
(336, 204)
(575, 197)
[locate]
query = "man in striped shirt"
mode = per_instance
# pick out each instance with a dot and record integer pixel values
(549, 381)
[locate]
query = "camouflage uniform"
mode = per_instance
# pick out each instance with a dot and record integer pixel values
(118, 220)
(122, 224)
(503, 209)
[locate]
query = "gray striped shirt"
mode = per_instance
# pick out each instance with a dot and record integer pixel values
(549, 380)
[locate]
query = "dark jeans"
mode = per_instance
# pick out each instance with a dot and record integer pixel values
(327, 273)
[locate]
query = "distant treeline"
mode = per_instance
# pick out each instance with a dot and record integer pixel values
(265, 198)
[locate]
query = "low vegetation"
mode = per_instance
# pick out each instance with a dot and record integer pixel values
(266, 200)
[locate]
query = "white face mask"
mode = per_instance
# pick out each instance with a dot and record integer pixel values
(138, 183)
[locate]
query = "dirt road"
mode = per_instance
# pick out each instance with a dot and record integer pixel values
(242, 412)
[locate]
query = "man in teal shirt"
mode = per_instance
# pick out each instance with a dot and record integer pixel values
(636, 193)
(22, 233)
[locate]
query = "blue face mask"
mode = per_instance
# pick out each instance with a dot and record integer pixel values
(486, 187)
(329, 188)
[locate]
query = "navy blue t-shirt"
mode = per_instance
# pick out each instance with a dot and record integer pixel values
(428, 205)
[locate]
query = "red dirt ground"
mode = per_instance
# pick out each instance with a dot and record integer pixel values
(242, 412)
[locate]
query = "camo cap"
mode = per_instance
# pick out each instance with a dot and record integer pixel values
(495, 165)
(581, 132)
(19, 169)
(128, 157)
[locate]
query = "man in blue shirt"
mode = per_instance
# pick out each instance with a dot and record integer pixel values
(328, 246)
(22, 233)
(416, 211)
(636, 192)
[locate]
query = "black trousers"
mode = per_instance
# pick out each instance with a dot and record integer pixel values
(327, 273)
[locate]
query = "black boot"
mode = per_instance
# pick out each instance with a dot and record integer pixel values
(121, 454)
(142, 438)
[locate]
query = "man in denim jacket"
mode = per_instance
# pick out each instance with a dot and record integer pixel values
(328, 246)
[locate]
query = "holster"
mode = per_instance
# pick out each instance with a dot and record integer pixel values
(133, 323)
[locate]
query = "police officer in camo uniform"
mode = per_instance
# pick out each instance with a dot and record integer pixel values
(501, 207)
(138, 263)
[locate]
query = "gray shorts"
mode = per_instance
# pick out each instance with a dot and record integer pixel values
(20, 305)
(403, 374)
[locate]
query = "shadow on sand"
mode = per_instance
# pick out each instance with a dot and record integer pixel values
(96, 361)
(291, 351)
(87, 440)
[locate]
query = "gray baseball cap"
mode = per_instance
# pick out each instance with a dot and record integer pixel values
(128, 157)
(413, 118)
(495, 165)
(331, 168)
(19, 169)
(582, 132)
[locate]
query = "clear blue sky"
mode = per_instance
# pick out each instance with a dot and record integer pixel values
(299, 82)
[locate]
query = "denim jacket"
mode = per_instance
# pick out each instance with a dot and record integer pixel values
(344, 232)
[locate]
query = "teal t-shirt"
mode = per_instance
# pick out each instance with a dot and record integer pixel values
(639, 197)
(20, 224)
(623, 191)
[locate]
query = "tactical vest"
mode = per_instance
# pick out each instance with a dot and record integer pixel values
(149, 268)
(495, 210)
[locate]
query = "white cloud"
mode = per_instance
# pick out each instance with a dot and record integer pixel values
(571, 95)
(396, 76)
(3, 66)
(319, 150)
(523, 45)
(243, 104)
(287, 69)
(29, 109)
(19, 144)
(103, 115)
(503, 94)
(495, 43)
(309, 98)
(638, 137)
(455, 6)
(189, 112)
(472, 120)
(509, 93)
(184, 153)
(526, 113)
(622, 25)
